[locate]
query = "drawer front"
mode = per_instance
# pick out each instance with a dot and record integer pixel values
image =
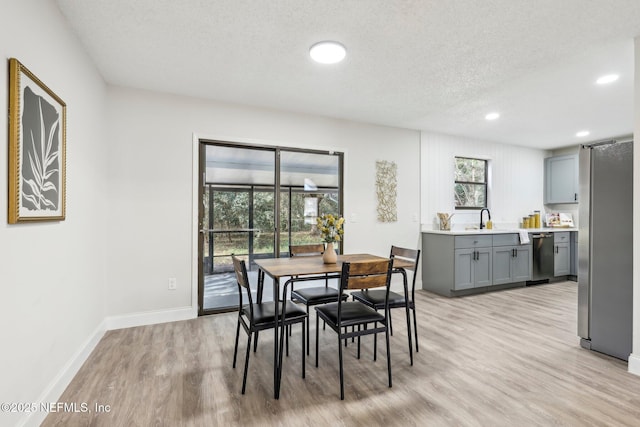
(474, 241)
(506, 239)
(561, 237)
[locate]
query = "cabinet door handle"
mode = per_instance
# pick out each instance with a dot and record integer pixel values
(513, 253)
(516, 252)
(575, 197)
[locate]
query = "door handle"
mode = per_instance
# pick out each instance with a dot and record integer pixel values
(516, 252)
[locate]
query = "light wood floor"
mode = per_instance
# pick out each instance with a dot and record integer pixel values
(509, 358)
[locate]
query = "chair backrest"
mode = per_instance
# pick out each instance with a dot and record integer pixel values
(366, 274)
(410, 256)
(242, 278)
(306, 250)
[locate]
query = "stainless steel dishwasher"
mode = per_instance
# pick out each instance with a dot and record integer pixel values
(542, 257)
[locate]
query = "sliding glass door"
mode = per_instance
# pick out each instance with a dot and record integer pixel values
(240, 187)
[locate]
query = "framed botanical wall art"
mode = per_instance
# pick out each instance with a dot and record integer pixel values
(37, 149)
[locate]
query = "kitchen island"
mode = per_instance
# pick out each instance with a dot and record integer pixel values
(462, 262)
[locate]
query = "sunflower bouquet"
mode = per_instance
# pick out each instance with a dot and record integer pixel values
(331, 228)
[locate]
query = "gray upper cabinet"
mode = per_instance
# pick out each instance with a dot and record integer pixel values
(561, 179)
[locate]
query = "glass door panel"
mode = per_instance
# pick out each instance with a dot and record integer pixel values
(237, 218)
(309, 187)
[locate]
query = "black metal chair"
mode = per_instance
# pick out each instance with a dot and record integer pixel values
(376, 298)
(256, 317)
(343, 314)
(317, 295)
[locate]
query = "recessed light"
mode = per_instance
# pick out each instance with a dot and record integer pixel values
(327, 52)
(492, 116)
(609, 78)
(582, 133)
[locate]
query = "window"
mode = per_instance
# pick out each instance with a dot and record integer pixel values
(470, 183)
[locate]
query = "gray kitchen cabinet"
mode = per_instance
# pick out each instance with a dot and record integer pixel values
(561, 179)
(561, 254)
(512, 262)
(574, 254)
(457, 264)
(472, 268)
(522, 263)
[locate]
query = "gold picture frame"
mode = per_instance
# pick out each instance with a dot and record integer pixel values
(37, 149)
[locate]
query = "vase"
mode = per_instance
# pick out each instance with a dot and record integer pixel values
(329, 256)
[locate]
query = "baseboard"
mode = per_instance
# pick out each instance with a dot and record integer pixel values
(53, 392)
(59, 384)
(150, 318)
(634, 364)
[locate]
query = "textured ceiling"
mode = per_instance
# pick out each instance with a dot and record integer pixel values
(437, 65)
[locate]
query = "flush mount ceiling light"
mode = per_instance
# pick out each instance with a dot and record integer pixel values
(327, 52)
(609, 78)
(582, 133)
(492, 116)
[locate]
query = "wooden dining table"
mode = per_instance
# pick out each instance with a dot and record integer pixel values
(299, 269)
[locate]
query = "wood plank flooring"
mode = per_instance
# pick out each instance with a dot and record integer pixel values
(508, 358)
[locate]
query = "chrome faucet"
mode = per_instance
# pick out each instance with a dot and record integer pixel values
(488, 213)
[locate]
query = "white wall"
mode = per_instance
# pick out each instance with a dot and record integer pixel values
(634, 359)
(516, 179)
(52, 273)
(151, 175)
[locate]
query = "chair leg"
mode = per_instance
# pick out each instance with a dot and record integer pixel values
(406, 307)
(287, 340)
(235, 350)
(308, 322)
(303, 342)
(390, 324)
(358, 342)
(388, 356)
(341, 370)
(317, 330)
(246, 364)
(255, 341)
(375, 345)
(415, 328)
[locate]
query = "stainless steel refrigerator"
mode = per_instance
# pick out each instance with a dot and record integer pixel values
(605, 247)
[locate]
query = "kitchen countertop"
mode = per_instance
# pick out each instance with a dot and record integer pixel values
(498, 231)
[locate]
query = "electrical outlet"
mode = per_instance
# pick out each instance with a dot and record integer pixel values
(173, 284)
